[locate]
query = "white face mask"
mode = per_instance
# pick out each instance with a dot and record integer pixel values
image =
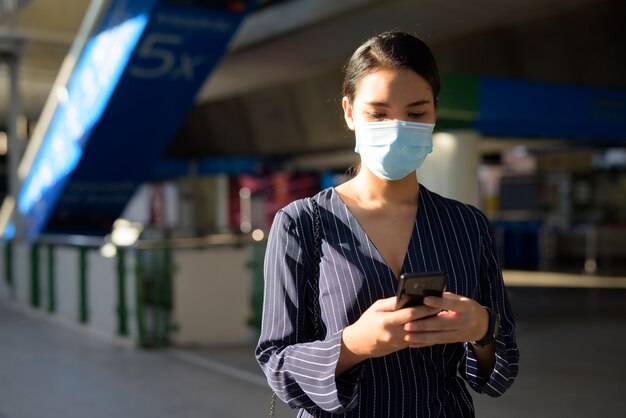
(393, 150)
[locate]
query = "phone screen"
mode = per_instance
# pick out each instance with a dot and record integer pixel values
(413, 287)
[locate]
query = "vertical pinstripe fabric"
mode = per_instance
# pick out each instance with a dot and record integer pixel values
(428, 382)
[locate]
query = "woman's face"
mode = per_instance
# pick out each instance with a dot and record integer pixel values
(390, 95)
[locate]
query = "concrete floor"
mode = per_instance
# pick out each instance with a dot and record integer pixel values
(572, 365)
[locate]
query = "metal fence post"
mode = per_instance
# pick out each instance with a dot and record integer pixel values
(155, 293)
(122, 311)
(52, 305)
(82, 291)
(166, 293)
(139, 300)
(35, 285)
(8, 264)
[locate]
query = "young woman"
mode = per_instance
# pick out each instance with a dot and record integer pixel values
(364, 358)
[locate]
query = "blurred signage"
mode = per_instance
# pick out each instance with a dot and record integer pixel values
(525, 108)
(522, 108)
(132, 87)
(228, 5)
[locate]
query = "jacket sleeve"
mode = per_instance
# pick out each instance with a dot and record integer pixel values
(299, 370)
(493, 294)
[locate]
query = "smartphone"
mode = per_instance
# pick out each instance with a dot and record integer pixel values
(413, 287)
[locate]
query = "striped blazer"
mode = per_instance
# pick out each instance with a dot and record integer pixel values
(426, 382)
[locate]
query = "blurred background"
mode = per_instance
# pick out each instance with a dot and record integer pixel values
(145, 146)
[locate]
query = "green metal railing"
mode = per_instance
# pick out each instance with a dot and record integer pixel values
(139, 303)
(8, 264)
(152, 279)
(256, 265)
(52, 302)
(153, 289)
(35, 285)
(122, 309)
(83, 309)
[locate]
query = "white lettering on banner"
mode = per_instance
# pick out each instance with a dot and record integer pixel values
(194, 23)
(187, 66)
(157, 47)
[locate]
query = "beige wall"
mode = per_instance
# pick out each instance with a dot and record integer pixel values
(212, 296)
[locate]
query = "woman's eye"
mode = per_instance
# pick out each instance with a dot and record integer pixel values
(416, 115)
(377, 115)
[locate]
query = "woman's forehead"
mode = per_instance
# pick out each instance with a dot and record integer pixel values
(385, 85)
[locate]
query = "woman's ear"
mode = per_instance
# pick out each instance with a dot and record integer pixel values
(347, 112)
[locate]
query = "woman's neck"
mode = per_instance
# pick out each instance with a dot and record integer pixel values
(371, 190)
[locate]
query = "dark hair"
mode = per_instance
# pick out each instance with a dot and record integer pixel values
(391, 50)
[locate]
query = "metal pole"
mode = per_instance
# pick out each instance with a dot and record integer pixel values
(155, 305)
(8, 266)
(52, 303)
(83, 310)
(591, 249)
(122, 309)
(35, 285)
(140, 300)
(166, 294)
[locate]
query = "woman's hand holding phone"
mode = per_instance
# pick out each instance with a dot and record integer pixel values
(378, 332)
(461, 319)
(381, 328)
(385, 327)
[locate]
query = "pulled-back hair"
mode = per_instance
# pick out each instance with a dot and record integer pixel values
(391, 50)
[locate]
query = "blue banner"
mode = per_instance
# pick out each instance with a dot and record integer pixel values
(132, 87)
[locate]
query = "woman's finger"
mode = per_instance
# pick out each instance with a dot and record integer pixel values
(385, 305)
(404, 315)
(448, 302)
(428, 324)
(432, 338)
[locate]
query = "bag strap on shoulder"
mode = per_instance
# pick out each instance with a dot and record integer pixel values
(314, 279)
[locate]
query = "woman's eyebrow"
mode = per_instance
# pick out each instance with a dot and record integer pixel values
(378, 104)
(418, 103)
(412, 104)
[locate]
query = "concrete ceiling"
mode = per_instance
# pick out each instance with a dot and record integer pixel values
(325, 42)
(285, 41)
(278, 91)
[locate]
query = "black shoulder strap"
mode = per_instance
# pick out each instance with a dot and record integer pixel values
(317, 242)
(316, 265)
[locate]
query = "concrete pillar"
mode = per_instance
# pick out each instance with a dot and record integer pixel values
(10, 53)
(13, 152)
(452, 168)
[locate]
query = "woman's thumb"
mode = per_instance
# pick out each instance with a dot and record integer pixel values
(385, 305)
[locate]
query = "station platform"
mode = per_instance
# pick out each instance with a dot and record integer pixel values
(572, 364)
